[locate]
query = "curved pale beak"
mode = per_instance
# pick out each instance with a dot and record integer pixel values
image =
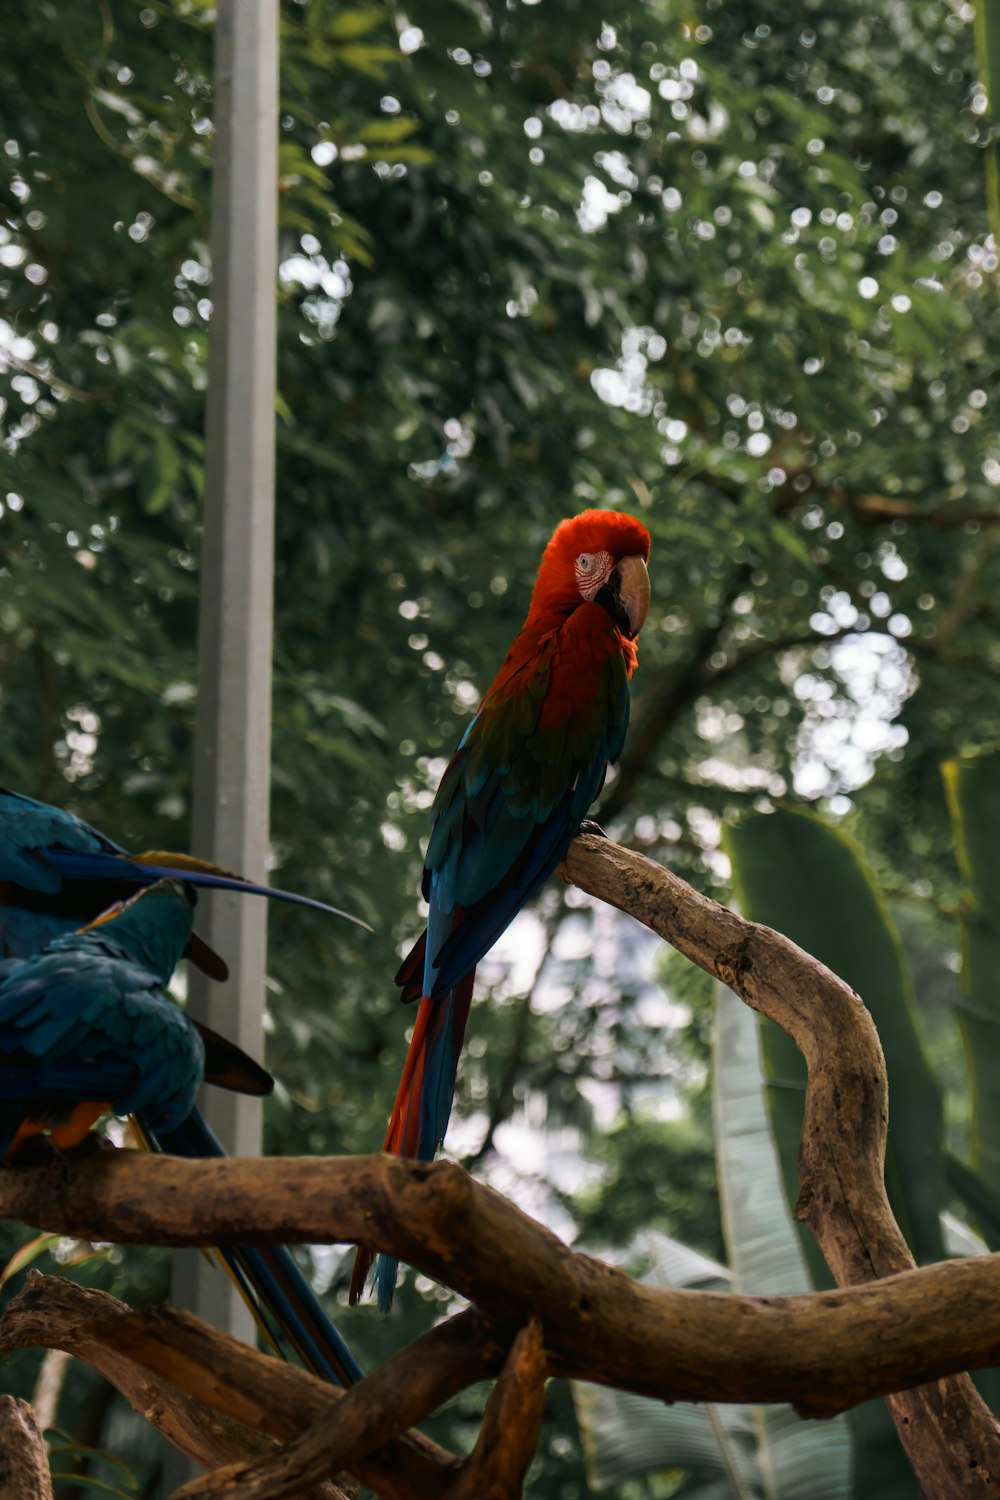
(633, 592)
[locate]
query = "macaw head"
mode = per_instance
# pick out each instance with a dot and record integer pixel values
(152, 928)
(598, 556)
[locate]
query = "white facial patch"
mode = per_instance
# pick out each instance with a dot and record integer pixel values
(593, 570)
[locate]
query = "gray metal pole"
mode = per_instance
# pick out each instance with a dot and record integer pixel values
(232, 737)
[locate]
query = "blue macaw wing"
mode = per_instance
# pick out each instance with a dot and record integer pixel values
(108, 1032)
(47, 998)
(100, 1022)
(37, 1078)
(28, 828)
(36, 1006)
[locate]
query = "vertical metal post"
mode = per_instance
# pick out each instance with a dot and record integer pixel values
(232, 737)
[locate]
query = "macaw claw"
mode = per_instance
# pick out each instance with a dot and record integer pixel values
(593, 828)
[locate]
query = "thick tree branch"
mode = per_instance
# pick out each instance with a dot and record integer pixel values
(823, 1352)
(400, 1393)
(24, 1463)
(217, 1400)
(844, 1131)
(509, 1434)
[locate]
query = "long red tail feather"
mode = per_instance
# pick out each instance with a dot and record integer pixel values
(403, 1136)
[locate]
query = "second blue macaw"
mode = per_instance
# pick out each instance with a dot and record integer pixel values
(86, 1029)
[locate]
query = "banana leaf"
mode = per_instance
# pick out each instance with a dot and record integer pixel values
(808, 880)
(972, 785)
(803, 1460)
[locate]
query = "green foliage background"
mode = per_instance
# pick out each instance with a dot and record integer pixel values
(725, 265)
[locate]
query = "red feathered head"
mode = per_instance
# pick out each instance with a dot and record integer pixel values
(598, 555)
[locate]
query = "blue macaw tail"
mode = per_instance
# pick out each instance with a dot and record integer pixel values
(384, 1279)
(423, 1106)
(155, 864)
(281, 1300)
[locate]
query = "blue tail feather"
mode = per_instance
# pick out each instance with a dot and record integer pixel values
(284, 1300)
(386, 1268)
(437, 1093)
(75, 864)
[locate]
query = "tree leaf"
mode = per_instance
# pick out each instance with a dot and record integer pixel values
(805, 1460)
(387, 132)
(807, 879)
(972, 786)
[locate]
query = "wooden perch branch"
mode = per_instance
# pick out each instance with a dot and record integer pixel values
(400, 1393)
(217, 1400)
(843, 1196)
(509, 1434)
(24, 1462)
(823, 1352)
(888, 1329)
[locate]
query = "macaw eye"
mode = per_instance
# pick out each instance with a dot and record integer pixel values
(592, 569)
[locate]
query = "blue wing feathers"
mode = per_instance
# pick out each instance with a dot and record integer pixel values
(508, 804)
(87, 1021)
(444, 1043)
(28, 828)
(271, 1274)
(83, 1015)
(520, 866)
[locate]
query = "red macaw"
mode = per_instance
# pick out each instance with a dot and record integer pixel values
(512, 797)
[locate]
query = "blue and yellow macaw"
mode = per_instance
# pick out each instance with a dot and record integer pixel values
(86, 1029)
(515, 792)
(57, 872)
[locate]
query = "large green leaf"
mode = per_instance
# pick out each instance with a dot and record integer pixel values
(625, 1436)
(972, 784)
(979, 1202)
(808, 880)
(988, 61)
(802, 1460)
